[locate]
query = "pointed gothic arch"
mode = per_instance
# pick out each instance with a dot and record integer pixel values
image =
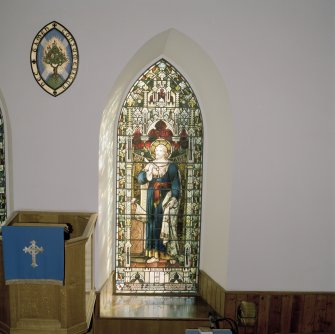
(159, 184)
(203, 76)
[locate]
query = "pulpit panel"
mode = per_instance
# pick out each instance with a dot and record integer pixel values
(42, 307)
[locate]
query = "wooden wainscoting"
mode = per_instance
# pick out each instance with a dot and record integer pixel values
(277, 312)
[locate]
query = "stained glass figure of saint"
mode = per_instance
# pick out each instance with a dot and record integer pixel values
(159, 183)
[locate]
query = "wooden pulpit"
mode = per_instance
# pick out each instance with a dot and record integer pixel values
(51, 308)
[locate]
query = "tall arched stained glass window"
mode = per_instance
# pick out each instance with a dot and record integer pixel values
(3, 201)
(159, 185)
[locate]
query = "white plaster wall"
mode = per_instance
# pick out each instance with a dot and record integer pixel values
(282, 201)
(276, 59)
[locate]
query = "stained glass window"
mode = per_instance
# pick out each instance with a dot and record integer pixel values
(3, 206)
(159, 185)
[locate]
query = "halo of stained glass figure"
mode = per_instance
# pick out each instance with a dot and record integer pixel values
(159, 185)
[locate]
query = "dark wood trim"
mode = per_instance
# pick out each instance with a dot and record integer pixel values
(277, 312)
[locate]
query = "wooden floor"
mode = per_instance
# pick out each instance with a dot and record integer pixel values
(154, 307)
(129, 314)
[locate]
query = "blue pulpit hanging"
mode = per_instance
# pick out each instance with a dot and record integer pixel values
(33, 254)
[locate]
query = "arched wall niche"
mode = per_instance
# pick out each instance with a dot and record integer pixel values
(203, 76)
(8, 155)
